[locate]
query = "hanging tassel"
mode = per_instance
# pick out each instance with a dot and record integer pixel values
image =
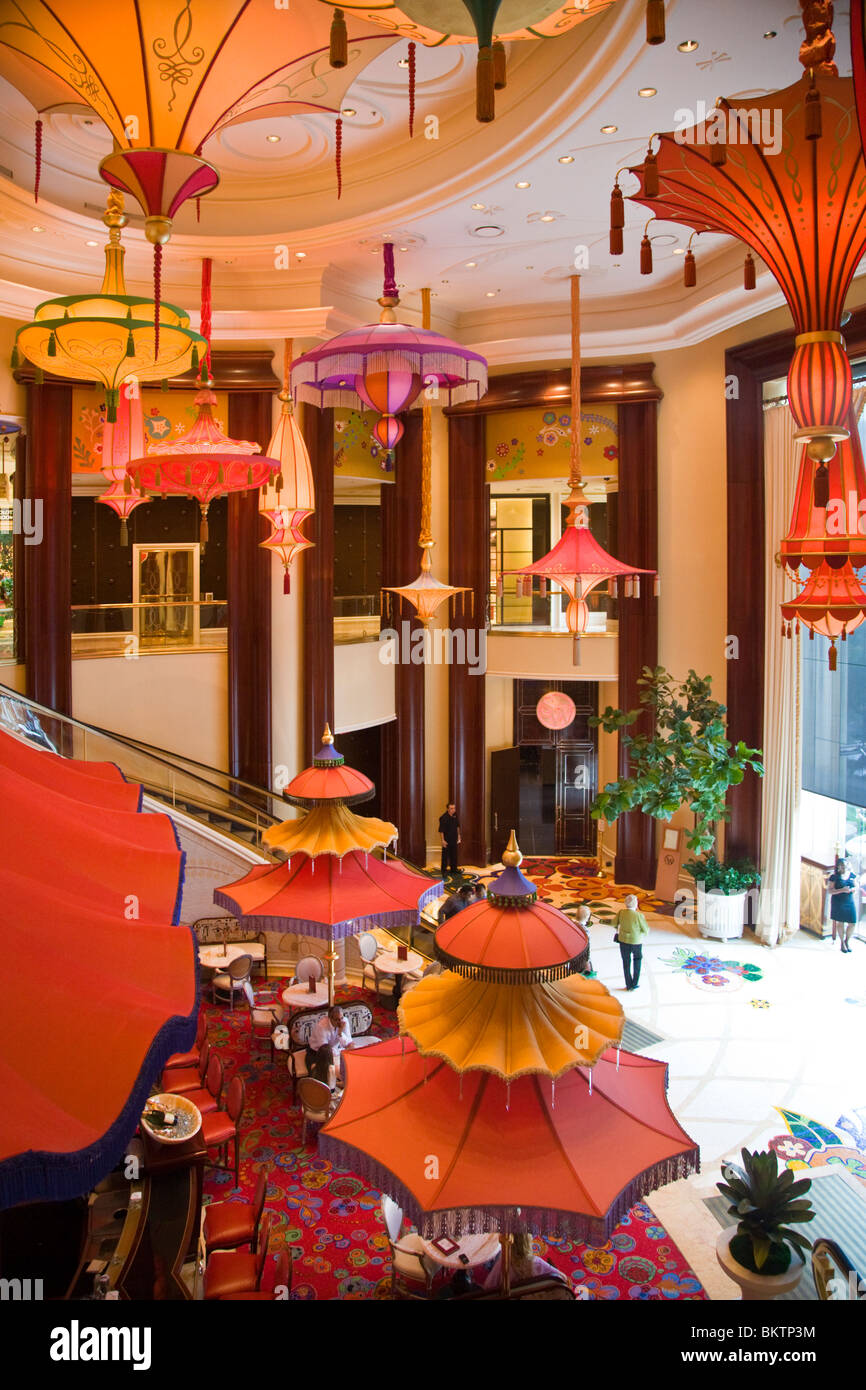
(163, 386)
(499, 74)
(338, 155)
(784, 632)
(112, 399)
(821, 486)
(485, 101)
(811, 634)
(613, 588)
(635, 592)
(845, 633)
(52, 344)
(187, 477)
(813, 123)
(157, 478)
(130, 344)
(626, 587)
(38, 377)
(832, 656)
(650, 175)
(616, 241)
(646, 256)
(250, 476)
(278, 483)
(617, 220)
(749, 272)
(287, 583)
(38, 174)
(690, 271)
(411, 90)
(655, 21)
(203, 533)
(542, 587)
(157, 297)
(221, 476)
(15, 360)
(575, 649)
(198, 209)
(124, 531)
(339, 50)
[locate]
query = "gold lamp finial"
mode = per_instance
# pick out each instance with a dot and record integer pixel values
(511, 856)
(327, 736)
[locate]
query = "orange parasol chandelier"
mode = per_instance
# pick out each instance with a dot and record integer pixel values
(577, 563)
(832, 603)
(289, 497)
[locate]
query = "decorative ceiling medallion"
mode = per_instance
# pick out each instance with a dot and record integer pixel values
(555, 710)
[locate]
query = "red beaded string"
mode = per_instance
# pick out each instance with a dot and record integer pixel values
(38, 160)
(206, 303)
(411, 90)
(338, 152)
(157, 297)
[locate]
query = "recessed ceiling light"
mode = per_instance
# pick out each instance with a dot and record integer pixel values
(530, 267)
(770, 34)
(487, 229)
(300, 255)
(91, 243)
(37, 229)
(687, 46)
(404, 248)
(470, 265)
(491, 294)
(273, 139)
(679, 251)
(566, 159)
(548, 217)
(477, 207)
(609, 129)
(524, 183)
(348, 111)
(402, 62)
(647, 91)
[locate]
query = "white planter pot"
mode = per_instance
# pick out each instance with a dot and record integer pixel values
(756, 1288)
(720, 915)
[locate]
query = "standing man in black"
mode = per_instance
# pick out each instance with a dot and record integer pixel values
(449, 829)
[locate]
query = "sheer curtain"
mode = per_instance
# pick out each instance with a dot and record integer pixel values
(779, 900)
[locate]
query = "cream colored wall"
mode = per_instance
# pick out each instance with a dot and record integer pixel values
(13, 398)
(363, 686)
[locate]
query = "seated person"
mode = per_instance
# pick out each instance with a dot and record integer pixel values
(524, 1265)
(464, 897)
(330, 1035)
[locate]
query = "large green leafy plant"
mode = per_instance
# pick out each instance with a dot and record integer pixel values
(766, 1202)
(717, 877)
(687, 760)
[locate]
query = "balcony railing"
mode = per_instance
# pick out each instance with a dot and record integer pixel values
(356, 618)
(153, 625)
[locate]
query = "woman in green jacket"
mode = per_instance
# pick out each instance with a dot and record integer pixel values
(631, 928)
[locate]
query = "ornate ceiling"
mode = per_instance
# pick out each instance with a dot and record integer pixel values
(288, 257)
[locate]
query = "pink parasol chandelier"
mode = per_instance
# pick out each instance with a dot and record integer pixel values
(289, 497)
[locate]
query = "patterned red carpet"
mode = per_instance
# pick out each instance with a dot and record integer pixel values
(332, 1220)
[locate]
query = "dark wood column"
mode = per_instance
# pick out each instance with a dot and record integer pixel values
(47, 488)
(249, 607)
(403, 738)
(468, 564)
(637, 543)
(317, 427)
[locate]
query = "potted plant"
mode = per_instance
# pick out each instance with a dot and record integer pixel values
(756, 1251)
(686, 759)
(722, 890)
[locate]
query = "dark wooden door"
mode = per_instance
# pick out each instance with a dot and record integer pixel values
(576, 781)
(504, 798)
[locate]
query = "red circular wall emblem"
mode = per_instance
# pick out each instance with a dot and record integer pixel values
(555, 710)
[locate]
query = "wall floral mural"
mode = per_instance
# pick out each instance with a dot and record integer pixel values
(357, 452)
(536, 443)
(166, 413)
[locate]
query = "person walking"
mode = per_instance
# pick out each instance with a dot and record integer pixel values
(449, 831)
(631, 930)
(843, 908)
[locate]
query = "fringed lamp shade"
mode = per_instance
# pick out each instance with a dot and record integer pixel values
(384, 365)
(109, 337)
(426, 593)
(289, 496)
(512, 1157)
(511, 1030)
(832, 603)
(491, 23)
(511, 938)
(204, 463)
(328, 780)
(798, 201)
(122, 441)
(829, 505)
(330, 828)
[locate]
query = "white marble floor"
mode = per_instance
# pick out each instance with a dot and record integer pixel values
(732, 1063)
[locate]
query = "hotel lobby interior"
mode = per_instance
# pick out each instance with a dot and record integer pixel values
(433, 654)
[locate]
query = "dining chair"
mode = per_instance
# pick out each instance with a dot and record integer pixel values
(190, 1058)
(219, 1127)
(410, 1266)
(231, 980)
(265, 1016)
(307, 968)
(228, 1272)
(207, 1097)
(230, 1224)
(273, 1290)
(317, 1103)
(180, 1080)
(368, 947)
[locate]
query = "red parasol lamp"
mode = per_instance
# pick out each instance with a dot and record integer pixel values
(122, 440)
(577, 563)
(832, 603)
(829, 504)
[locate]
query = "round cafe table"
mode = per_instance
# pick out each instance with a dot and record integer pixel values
(298, 997)
(215, 958)
(389, 963)
(477, 1249)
